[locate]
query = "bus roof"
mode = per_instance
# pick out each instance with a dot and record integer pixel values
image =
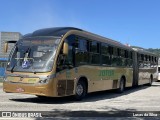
(56, 31)
(60, 31)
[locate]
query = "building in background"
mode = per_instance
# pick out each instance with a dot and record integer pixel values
(7, 36)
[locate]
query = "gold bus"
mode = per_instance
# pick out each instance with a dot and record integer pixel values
(66, 61)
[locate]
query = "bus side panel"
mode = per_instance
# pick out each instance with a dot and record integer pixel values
(103, 78)
(99, 78)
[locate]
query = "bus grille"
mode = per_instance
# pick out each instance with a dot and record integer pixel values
(65, 87)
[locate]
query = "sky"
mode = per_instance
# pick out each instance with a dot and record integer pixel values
(134, 22)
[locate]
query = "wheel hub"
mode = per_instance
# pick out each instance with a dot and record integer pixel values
(79, 89)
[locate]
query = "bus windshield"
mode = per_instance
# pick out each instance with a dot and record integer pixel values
(34, 54)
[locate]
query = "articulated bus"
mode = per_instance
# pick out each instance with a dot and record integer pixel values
(65, 61)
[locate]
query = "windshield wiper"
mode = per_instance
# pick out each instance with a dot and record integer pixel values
(14, 56)
(14, 66)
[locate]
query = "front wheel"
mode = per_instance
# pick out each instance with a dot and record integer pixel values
(81, 90)
(41, 97)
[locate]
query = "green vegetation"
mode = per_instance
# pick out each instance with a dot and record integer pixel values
(156, 51)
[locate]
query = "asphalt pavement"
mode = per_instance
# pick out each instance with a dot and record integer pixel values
(133, 103)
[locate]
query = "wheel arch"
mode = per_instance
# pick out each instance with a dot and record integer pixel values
(83, 78)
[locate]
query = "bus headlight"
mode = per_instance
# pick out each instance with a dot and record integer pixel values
(44, 80)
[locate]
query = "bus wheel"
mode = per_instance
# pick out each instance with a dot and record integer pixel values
(81, 90)
(150, 81)
(121, 86)
(41, 97)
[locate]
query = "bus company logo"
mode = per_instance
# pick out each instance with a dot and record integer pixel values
(6, 114)
(25, 64)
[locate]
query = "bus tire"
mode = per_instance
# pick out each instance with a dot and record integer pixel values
(81, 90)
(121, 86)
(41, 97)
(150, 81)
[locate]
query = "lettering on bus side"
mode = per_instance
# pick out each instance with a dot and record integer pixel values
(106, 72)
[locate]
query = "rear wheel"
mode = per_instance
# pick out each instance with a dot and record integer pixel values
(121, 86)
(150, 81)
(81, 90)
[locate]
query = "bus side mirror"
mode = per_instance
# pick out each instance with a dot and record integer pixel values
(65, 48)
(5, 47)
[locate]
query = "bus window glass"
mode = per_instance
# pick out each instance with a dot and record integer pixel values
(105, 60)
(94, 47)
(126, 54)
(33, 54)
(83, 45)
(104, 49)
(82, 55)
(155, 59)
(115, 52)
(105, 54)
(95, 58)
(122, 53)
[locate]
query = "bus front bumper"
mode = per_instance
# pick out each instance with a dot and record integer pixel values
(41, 90)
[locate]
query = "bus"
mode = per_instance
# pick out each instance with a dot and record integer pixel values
(67, 61)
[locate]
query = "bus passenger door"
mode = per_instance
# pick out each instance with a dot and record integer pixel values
(65, 71)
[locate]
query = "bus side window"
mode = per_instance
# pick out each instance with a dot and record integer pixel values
(141, 60)
(81, 51)
(105, 54)
(95, 52)
(120, 57)
(115, 54)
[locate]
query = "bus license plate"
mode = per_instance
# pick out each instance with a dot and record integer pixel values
(20, 90)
